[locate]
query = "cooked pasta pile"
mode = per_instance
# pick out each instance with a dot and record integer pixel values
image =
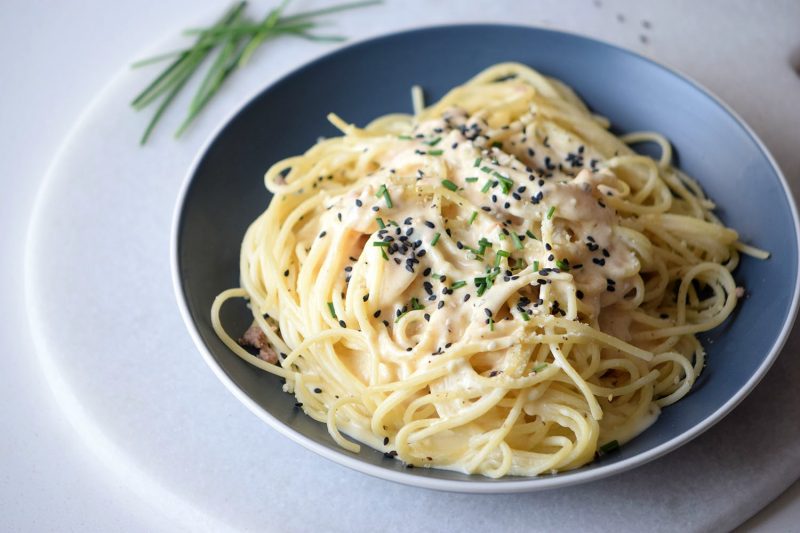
(495, 285)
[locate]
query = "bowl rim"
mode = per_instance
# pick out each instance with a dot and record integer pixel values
(476, 484)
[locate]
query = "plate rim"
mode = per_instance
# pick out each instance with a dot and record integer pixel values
(478, 484)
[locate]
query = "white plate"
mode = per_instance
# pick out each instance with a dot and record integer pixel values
(114, 350)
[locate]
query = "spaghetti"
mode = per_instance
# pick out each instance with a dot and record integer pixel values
(495, 285)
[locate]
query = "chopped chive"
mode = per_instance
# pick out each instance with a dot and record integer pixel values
(477, 162)
(530, 234)
(401, 315)
(383, 254)
(379, 220)
(472, 217)
(525, 316)
(486, 169)
(539, 368)
(381, 243)
(609, 447)
(331, 309)
(517, 242)
(502, 236)
(393, 222)
(434, 142)
(536, 266)
(487, 186)
(415, 305)
(471, 179)
(458, 284)
(450, 185)
(500, 254)
(435, 238)
(491, 324)
(404, 137)
(497, 144)
(562, 265)
(383, 191)
(550, 212)
(435, 152)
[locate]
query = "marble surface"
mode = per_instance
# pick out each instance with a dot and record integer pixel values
(116, 422)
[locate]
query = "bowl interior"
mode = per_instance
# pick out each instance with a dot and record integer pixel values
(369, 79)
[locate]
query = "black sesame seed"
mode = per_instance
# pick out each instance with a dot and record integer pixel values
(343, 323)
(467, 296)
(359, 203)
(377, 313)
(429, 224)
(426, 272)
(317, 390)
(285, 272)
(440, 305)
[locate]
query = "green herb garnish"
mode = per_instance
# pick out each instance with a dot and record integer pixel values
(449, 184)
(608, 447)
(434, 142)
(435, 238)
(383, 191)
(379, 220)
(550, 212)
(471, 179)
(331, 309)
(499, 256)
(516, 241)
(458, 284)
(472, 217)
(235, 37)
(435, 152)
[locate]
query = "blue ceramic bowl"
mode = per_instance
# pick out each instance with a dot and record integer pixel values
(224, 192)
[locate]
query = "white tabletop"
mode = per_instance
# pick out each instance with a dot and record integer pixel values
(58, 56)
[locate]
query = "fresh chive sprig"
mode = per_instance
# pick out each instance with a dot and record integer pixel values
(237, 38)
